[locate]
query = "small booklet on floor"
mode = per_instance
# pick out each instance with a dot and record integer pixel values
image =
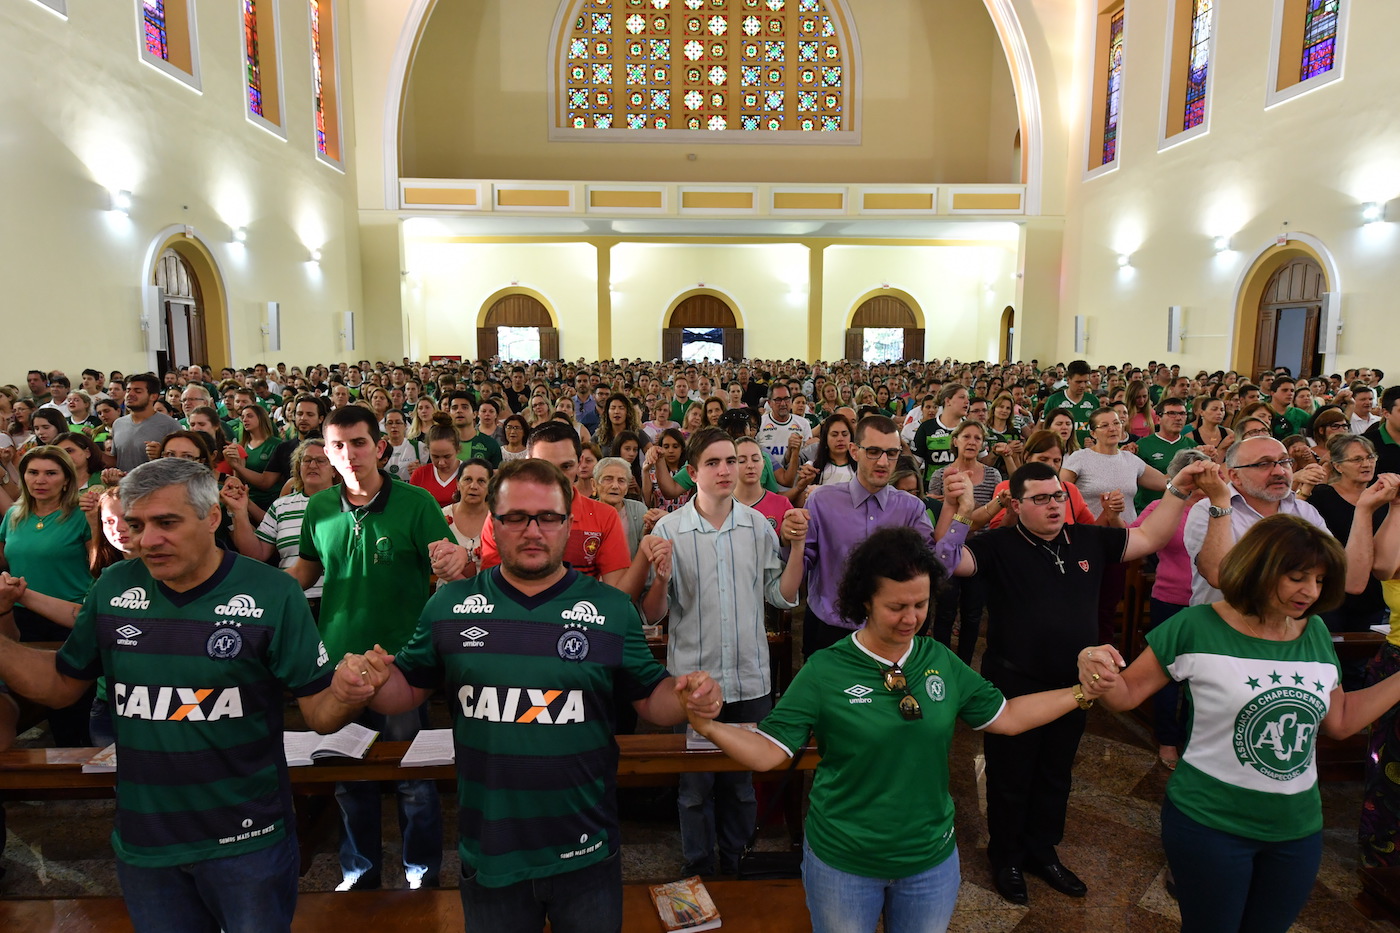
(695, 742)
(430, 747)
(352, 741)
(685, 905)
(103, 762)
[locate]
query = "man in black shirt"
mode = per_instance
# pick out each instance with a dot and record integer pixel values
(1042, 610)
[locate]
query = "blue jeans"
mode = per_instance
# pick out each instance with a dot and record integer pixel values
(1229, 884)
(722, 802)
(252, 893)
(1167, 716)
(588, 900)
(100, 726)
(420, 814)
(840, 902)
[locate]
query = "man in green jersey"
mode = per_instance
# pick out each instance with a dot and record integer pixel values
(1157, 450)
(197, 645)
(378, 543)
(471, 442)
(1076, 397)
(1284, 419)
(533, 653)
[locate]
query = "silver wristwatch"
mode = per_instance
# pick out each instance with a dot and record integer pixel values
(1216, 511)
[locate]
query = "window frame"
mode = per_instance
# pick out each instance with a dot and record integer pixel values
(330, 102)
(1103, 14)
(1176, 75)
(274, 125)
(188, 42)
(1284, 84)
(57, 7)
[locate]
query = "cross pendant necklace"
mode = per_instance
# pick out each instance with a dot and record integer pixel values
(1056, 555)
(358, 517)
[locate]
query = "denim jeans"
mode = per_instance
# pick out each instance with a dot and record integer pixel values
(588, 900)
(252, 893)
(100, 726)
(1229, 884)
(840, 902)
(1167, 715)
(361, 818)
(720, 803)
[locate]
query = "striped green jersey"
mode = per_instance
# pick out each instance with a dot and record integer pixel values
(195, 681)
(532, 681)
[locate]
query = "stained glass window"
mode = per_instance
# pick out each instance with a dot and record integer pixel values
(1319, 37)
(318, 83)
(1113, 99)
(1198, 63)
(755, 65)
(250, 49)
(153, 15)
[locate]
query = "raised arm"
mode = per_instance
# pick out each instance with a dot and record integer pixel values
(1361, 540)
(1385, 564)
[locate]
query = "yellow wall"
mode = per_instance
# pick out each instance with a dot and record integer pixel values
(83, 115)
(1304, 167)
(937, 105)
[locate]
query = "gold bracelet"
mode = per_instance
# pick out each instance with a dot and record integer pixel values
(1079, 697)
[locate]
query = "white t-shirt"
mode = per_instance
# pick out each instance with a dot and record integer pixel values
(1097, 473)
(773, 435)
(403, 460)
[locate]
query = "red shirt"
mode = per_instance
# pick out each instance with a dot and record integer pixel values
(597, 541)
(426, 477)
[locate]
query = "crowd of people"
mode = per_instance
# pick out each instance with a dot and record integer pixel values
(364, 534)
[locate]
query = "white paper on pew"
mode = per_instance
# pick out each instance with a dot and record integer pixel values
(351, 741)
(103, 762)
(430, 747)
(1382, 629)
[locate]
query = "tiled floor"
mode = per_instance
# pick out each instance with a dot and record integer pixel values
(59, 849)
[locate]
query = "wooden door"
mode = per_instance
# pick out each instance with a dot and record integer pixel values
(549, 343)
(913, 343)
(733, 343)
(855, 344)
(487, 343)
(672, 342)
(1264, 340)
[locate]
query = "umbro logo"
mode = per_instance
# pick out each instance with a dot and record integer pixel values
(475, 603)
(127, 635)
(859, 693)
(134, 598)
(473, 636)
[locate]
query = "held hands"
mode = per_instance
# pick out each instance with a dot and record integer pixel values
(358, 677)
(112, 476)
(958, 489)
(806, 474)
(1382, 491)
(794, 526)
(234, 495)
(89, 499)
(657, 551)
(700, 697)
(11, 591)
(1112, 501)
(650, 519)
(1203, 475)
(1098, 669)
(1314, 474)
(448, 559)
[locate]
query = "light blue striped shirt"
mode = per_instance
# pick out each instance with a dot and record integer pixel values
(720, 579)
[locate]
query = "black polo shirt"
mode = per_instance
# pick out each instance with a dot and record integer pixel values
(1040, 613)
(1387, 448)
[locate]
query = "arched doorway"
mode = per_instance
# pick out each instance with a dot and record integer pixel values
(1290, 314)
(517, 327)
(183, 335)
(1008, 333)
(700, 326)
(884, 327)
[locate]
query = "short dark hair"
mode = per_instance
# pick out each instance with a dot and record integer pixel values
(149, 380)
(1077, 368)
(1172, 400)
(351, 415)
(459, 395)
(1030, 473)
(551, 431)
(1273, 548)
(1390, 397)
(896, 553)
(882, 423)
(702, 439)
(530, 470)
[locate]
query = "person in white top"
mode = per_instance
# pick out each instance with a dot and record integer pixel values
(59, 387)
(1363, 399)
(782, 434)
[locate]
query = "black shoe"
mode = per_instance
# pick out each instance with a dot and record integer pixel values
(1060, 878)
(1011, 884)
(706, 867)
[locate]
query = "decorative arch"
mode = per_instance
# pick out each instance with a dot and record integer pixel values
(516, 307)
(1008, 333)
(1253, 282)
(886, 308)
(213, 291)
(702, 307)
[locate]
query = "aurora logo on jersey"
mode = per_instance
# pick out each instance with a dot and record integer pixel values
(241, 605)
(175, 704)
(1276, 732)
(473, 604)
(521, 704)
(583, 611)
(134, 598)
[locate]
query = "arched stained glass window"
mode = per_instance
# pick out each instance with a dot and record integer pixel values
(250, 56)
(1198, 64)
(1319, 37)
(1113, 100)
(747, 66)
(153, 17)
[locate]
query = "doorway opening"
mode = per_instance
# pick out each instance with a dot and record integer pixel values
(183, 338)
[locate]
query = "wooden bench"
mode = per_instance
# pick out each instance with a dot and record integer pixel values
(744, 906)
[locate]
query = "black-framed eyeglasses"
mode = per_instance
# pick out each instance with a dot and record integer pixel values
(1045, 498)
(519, 521)
(895, 680)
(1286, 462)
(875, 453)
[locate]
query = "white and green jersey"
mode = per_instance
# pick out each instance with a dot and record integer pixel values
(881, 778)
(533, 680)
(406, 458)
(281, 528)
(196, 681)
(1249, 766)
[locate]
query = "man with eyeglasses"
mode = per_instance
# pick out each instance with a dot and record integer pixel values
(1260, 476)
(781, 434)
(1157, 450)
(1385, 433)
(376, 543)
(534, 656)
(1042, 610)
(842, 515)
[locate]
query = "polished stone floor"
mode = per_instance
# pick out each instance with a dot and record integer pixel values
(60, 849)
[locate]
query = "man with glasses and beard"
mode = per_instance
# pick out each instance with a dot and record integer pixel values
(1042, 610)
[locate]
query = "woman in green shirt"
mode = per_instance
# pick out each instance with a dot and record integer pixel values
(882, 704)
(86, 458)
(250, 463)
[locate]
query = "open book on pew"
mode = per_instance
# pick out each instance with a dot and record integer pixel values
(351, 741)
(430, 747)
(685, 905)
(103, 762)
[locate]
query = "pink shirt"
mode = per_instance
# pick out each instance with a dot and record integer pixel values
(1173, 563)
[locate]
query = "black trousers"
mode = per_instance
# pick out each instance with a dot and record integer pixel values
(1028, 778)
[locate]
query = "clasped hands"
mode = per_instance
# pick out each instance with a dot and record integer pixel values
(1099, 669)
(701, 698)
(358, 677)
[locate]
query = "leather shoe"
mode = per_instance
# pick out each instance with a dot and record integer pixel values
(1060, 878)
(1011, 884)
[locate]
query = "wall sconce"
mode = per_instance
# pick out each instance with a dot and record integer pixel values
(1222, 244)
(1124, 260)
(315, 257)
(239, 235)
(121, 202)
(1373, 212)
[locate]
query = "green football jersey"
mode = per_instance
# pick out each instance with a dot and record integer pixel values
(1249, 765)
(532, 681)
(195, 682)
(881, 778)
(481, 445)
(1079, 411)
(1157, 453)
